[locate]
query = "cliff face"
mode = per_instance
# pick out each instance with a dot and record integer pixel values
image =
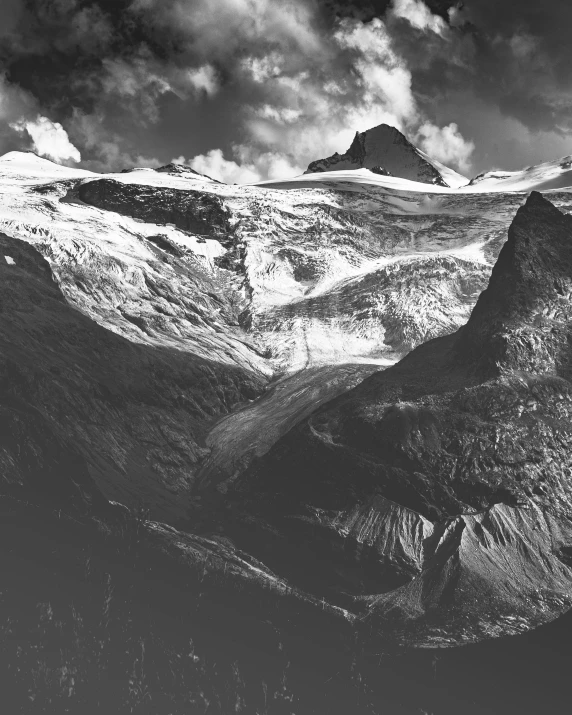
(195, 211)
(471, 433)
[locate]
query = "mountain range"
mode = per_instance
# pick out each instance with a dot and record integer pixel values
(262, 438)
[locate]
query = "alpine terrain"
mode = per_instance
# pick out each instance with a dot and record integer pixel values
(286, 447)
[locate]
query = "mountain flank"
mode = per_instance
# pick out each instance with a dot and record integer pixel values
(463, 447)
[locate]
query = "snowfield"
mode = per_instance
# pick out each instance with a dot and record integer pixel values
(331, 268)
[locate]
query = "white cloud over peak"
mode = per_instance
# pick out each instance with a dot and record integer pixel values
(446, 144)
(250, 167)
(49, 139)
(296, 89)
(384, 80)
(309, 114)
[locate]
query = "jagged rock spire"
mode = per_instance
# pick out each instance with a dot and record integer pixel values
(523, 320)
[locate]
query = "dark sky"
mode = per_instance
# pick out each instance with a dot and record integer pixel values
(248, 89)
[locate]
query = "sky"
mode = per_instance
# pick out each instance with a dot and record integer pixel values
(244, 90)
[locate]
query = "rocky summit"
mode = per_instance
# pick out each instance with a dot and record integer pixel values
(385, 150)
(283, 447)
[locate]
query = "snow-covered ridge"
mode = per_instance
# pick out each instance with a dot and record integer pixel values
(549, 176)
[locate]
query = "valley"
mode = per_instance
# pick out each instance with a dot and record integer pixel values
(335, 404)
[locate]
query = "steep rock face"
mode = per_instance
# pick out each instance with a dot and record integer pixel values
(522, 320)
(497, 572)
(81, 404)
(384, 150)
(484, 456)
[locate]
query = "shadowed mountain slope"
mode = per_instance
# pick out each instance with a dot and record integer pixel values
(444, 481)
(82, 403)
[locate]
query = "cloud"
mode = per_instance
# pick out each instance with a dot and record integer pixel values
(225, 28)
(418, 15)
(291, 81)
(106, 149)
(447, 145)
(384, 79)
(49, 139)
(214, 164)
(23, 127)
(307, 115)
(250, 168)
(204, 79)
(250, 88)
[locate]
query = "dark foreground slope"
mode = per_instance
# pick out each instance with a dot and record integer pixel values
(436, 497)
(86, 405)
(102, 609)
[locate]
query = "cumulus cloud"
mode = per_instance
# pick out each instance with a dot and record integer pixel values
(292, 81)
(418, 15)
(106, 149)
(49, 139)
(446, 144)
(251, 166)
(214, 164)
(308, 114)
(384, 79)
(204, 79)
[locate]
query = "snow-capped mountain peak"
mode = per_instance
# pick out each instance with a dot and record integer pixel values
(28, 164)
(385, 150)
(555, 174)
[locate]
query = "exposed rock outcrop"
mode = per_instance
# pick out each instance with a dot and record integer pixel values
(195, 211)
(182, 170)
